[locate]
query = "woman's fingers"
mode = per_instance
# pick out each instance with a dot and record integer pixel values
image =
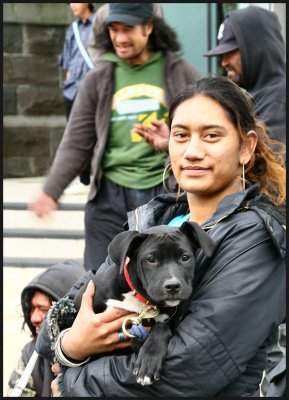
(87, 297)
(55, 368)
(113, 314)
(54, 387)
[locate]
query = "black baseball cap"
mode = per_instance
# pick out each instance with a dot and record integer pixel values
(129, 13)
(227, 40)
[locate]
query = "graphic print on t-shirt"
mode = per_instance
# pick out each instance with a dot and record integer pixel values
(141, 103)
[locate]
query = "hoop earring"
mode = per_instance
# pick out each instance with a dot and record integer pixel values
(179, 193)
(167, 169)
(243, 177)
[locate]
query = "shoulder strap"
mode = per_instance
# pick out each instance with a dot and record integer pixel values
(80, 45)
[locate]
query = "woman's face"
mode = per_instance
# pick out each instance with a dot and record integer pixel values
(205, 149)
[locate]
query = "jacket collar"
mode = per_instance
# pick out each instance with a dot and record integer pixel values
(163, 208)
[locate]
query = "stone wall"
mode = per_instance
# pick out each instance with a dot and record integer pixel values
(33, 107)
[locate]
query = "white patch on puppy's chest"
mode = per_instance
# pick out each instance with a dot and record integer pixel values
(129, 303)
(162, 318)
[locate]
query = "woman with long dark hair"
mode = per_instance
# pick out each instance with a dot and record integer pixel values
(233, 185)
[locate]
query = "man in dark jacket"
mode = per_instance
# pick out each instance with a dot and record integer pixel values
(36, 299)
(134, 82)
(253, 54)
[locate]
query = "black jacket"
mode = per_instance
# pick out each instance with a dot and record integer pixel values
(238, 303)
(262, 48)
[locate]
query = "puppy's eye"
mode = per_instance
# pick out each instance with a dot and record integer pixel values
(185, 257)
(151, 259)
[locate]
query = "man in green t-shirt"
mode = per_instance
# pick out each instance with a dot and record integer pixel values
(136, 77)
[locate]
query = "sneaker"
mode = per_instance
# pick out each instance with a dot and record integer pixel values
(77, 188)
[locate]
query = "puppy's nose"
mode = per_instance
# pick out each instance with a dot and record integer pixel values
(172, 286)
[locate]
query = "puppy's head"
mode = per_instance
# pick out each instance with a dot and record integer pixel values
(162, 260)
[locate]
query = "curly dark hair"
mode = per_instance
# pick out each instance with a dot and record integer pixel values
(163, 38)
(26, 302)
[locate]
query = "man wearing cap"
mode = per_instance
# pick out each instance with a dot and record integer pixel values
(133, 82)
(98, 24)
(253, 55)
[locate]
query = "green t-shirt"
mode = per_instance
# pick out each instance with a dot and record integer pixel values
(139, 98)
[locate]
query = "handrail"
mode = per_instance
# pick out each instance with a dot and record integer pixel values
(42, 233)
(21, 262)
(25, 233)
(8, 205)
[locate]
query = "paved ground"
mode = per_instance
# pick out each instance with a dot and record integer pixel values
(14, 279)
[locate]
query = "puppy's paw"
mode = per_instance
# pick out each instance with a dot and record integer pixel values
(147, 369)
(145, 381)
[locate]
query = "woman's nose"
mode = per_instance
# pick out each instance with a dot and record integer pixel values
(195, 149)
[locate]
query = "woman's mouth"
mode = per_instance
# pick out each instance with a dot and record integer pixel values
(195, 171)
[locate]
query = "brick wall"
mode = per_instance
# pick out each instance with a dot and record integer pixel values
(33, 108)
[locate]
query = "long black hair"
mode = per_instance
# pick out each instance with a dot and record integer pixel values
(163, 38)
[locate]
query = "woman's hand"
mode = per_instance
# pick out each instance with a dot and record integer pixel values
(54, 384)
(94, 333)
(156, 135)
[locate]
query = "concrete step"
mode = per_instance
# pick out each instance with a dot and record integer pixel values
(59, 220)
(45, 248)
(27, 237)
(38, 252)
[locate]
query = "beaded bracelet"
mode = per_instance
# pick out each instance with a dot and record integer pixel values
(63, 358)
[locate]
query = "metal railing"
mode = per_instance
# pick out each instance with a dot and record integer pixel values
(24, 233)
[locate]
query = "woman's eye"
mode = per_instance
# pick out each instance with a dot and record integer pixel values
(151, 259)
(185, 257)
(180, 135)
(212, 136)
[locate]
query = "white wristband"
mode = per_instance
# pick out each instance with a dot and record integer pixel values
(62, 357)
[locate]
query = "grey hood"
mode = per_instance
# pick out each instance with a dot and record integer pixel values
(57, 279)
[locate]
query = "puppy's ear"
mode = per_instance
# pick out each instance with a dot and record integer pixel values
(123, 245)
(199, 237)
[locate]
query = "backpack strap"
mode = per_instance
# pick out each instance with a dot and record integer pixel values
(80, 45)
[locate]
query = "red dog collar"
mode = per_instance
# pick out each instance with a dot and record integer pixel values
(130, 284)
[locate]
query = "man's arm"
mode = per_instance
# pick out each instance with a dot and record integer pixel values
(75, 148)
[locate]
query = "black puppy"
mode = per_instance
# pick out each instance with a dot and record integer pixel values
(154, 267)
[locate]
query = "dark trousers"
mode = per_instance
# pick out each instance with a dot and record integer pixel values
(84, 176)
(106, 214)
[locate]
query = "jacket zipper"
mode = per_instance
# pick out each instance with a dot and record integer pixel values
(243, 208)
(220, 219)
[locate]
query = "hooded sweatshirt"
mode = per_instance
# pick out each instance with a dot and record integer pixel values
(262, 49)
(56, 282)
